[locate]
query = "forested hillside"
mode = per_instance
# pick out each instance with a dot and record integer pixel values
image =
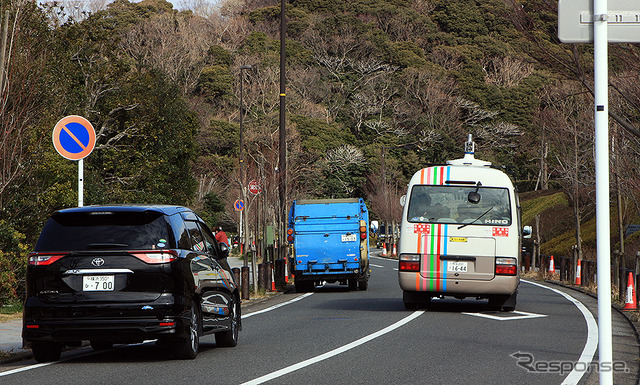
(376, 89)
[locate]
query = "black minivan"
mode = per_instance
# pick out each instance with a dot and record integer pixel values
(126, 274)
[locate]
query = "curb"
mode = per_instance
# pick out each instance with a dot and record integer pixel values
(613, 306)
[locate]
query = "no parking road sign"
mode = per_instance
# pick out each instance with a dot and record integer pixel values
(238, 204)
(74, 137)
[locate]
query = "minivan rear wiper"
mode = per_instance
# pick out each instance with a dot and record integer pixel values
(107, 245)
(477, 219)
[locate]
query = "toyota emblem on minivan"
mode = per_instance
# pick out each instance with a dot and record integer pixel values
(97, 262)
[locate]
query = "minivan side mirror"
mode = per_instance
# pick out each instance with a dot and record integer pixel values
(526, 232)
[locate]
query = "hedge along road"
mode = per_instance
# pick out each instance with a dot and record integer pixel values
(336, 336)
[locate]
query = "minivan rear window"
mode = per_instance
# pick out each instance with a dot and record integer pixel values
(146, 230)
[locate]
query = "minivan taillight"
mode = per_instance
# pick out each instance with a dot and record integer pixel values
(37, 259)
(506, 266)
(409, 262)
(156, 256)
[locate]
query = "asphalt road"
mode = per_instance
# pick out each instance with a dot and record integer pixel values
(365, 337)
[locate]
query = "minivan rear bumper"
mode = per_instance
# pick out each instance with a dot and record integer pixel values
(118, 323)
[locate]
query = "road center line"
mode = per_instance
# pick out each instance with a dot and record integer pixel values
(592, 336)
(276, 306)
(334, 352)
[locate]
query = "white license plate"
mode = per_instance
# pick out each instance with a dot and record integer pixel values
(98, 283)
(349, 237)
(457, 267)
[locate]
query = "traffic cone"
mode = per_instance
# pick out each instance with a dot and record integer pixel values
(578, 274)
(630, 303)
(394, 253)
(384, 249)
(552, 267)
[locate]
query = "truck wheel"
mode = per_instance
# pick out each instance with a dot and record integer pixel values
(363, 284)
(353, 284)
(303, 286)
(46, 351)
(503, 302)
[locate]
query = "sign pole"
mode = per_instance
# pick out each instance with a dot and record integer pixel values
(80, 182)
(601, 98)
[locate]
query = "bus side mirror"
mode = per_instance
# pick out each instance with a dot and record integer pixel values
(526, 232)
(403, 200)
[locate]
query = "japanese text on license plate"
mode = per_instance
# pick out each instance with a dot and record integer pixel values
(98, 283)
(457, 267)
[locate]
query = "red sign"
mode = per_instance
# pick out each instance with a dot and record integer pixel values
(500, 232)
(420, 228)
(254, 187)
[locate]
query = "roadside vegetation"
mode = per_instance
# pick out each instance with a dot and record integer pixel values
(376, 89)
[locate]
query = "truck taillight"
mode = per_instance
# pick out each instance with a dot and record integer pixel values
(36, 259)
(290, 235)
(409, 262)
(506, 266)
(156, 256)
(363, 230)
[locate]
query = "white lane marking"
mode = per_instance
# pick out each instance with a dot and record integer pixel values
(13, 371)
(371, 264)
(592, 337)
(334, 352)
(35, 366)
(508, 316)
(276, 306)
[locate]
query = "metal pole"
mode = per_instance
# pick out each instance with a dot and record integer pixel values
(282, 164)
(600, 70)
(244, 237)
(81, 183)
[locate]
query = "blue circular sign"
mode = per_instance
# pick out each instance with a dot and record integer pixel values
(74, 137)
(238, 204)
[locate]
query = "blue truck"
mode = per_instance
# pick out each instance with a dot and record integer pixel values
(329, 242)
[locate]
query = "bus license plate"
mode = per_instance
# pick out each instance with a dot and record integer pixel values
(457, 267)
(349, 238)
(98, 283)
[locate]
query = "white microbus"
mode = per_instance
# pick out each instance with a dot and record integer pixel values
(460, 234)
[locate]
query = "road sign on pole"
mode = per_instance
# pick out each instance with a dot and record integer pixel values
(254, 187)
(576, 17)
(238, 204)
(74, 138)
(601, 22)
